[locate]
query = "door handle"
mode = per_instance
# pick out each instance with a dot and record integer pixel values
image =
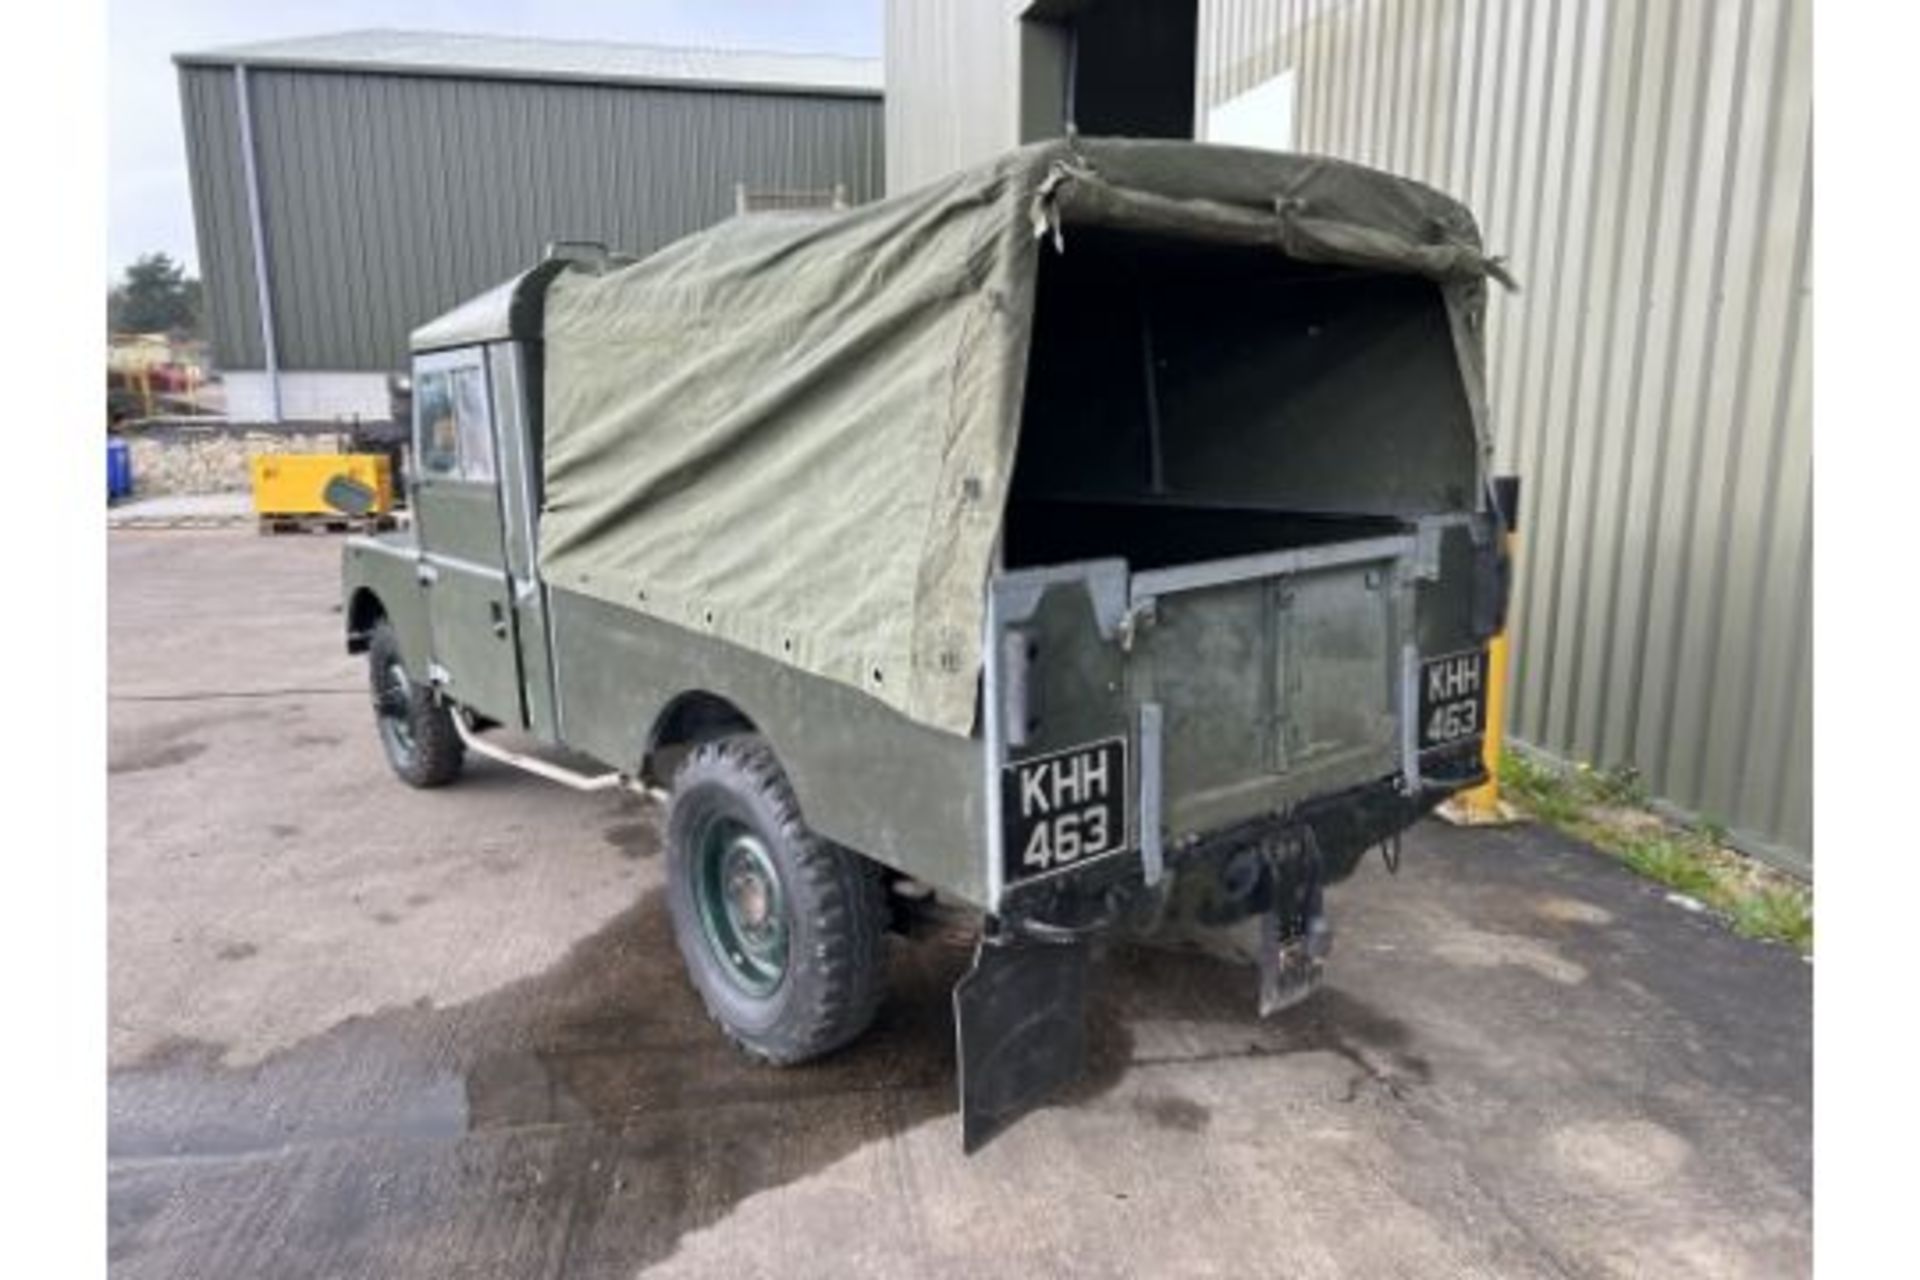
(498, 613)
(425, 574)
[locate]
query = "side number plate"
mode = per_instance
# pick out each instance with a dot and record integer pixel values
(1064, 808)
(1453, 698)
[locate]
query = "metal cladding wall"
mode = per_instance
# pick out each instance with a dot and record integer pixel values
(209, 111)
(389, 198)
(953, 86)
(1646, 167)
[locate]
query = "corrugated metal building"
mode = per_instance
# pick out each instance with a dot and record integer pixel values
(967, 79)
(1646, 167)
(380, 177)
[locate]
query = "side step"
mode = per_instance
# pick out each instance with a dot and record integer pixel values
(612, 780)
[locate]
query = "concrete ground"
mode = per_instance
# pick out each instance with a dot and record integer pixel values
(358, 1030)
(182, 510)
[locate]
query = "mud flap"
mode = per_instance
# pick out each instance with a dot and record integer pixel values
(1295, 937)
(1020, 1018)
(1290, 963)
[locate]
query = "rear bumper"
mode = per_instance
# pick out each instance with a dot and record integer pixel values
(1344, 825)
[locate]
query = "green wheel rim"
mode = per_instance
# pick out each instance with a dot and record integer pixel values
(742, 904)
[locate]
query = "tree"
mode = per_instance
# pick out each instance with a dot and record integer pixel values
(154, 296)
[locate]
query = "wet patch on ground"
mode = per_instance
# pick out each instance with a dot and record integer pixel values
(1170, 1111)
(316, 739)
(1159, 984)
(636, 840)
(165, 744)
(162, 755)
(594, 1107)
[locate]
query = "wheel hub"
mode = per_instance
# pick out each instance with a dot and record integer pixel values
(393, 702)
(742, 906)
(750, 898)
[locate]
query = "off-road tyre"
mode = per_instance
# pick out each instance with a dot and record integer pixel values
(416, 729)
(833, 902)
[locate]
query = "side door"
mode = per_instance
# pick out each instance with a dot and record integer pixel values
(515, 422)
(461, 530)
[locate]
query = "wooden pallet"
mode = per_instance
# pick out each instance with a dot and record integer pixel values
(327, 524)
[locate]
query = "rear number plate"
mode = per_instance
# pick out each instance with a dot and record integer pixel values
(1453, 698)
(1062, 809)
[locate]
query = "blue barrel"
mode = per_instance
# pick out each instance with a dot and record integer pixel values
(119, 468)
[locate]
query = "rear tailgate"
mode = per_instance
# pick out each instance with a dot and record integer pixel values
(1277, 677)
(1127, 711)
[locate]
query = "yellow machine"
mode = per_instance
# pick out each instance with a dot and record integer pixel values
(294, 484)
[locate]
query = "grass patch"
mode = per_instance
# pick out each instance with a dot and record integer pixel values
(1785, 915)
(1673, 865)
(1607, 809)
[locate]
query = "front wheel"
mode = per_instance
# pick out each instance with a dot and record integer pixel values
(782, 932)
(416, 729)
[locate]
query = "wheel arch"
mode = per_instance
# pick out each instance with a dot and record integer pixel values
(689, 719)
(364, 610)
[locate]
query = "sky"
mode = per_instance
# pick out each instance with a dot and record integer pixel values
(149, 206)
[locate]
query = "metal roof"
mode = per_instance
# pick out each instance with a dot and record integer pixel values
(442, 53)
(486, 318)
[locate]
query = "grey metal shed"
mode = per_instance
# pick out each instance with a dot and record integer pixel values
(348, 186)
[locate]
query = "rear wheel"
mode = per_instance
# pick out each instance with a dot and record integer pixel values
(782, 932)
(416, 729)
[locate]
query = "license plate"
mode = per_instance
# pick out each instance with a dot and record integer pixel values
(1063, 809)
(1453, 698)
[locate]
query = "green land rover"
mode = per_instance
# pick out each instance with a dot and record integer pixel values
(1100, 540)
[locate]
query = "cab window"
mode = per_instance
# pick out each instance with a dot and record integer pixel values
(439, 437)
(454, 424)
(474, 426)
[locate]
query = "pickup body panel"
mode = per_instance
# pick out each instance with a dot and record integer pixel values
(1241, 688)
(1238, 689)
(867, 777)
(380, 574)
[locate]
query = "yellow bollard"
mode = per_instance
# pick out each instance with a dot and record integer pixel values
(1482, 806)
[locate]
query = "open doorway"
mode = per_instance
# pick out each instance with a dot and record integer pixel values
(1109, 68)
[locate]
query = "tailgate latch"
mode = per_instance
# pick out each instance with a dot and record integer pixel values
(1140, 614)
